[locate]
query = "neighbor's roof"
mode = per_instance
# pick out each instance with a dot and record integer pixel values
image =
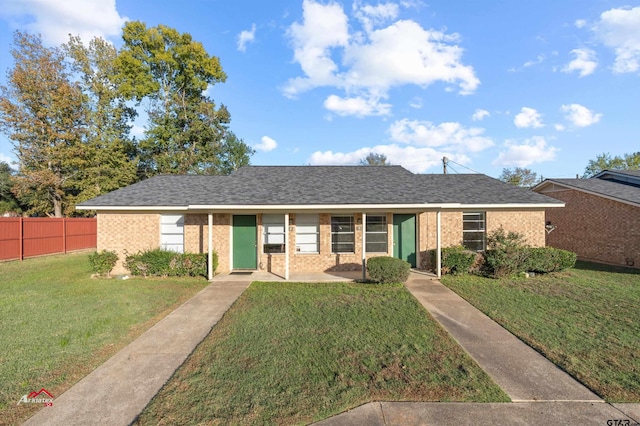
(617, 191)
(317, 186)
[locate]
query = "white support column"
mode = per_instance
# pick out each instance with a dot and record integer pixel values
(364, 246)
(438, 245)
(286, 246)
(210, 248)
(418, 236)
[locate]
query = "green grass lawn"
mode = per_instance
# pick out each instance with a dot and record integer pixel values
(58, 324)
(289, 353)
(586, 320)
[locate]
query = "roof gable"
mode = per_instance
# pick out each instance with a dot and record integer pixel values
(616, 191)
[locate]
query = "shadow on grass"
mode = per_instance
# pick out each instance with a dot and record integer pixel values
(592, 266)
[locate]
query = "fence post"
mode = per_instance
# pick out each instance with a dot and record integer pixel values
(64, 235)
(21, 239)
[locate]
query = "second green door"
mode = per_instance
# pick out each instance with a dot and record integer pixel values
(245, 250)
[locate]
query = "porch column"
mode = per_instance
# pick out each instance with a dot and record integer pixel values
(364, 246)
(438, 245)
(286, 246)
(210, 248)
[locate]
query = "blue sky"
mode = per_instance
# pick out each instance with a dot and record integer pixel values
(546, 85)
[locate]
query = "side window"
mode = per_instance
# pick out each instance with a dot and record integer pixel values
(172, 232)
(474, 231)
(273, 233)
(342, 234)
(376, 237)
(307, 233)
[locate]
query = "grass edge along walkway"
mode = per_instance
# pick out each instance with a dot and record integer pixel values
(300, 352)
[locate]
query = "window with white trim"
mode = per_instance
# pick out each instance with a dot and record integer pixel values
(377, 234)
(342, 234)
(307, 233)
(273, 233)
(474, 234)
(172, 232)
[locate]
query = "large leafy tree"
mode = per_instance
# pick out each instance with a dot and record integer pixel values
(108, 159)
(605, 161)
(42, 113)
(373, 159)
(173, 73)
(519, 176)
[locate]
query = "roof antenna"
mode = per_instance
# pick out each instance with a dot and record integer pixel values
(444, 165)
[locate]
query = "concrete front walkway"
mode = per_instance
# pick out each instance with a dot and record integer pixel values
(116, 392)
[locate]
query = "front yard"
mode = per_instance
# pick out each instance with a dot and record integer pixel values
(586, 320)
(290, 353)
(58, 324)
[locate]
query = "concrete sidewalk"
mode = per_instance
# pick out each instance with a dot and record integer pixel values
(116, 392)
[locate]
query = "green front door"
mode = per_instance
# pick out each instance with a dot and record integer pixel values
(404, 237)
(245, 251)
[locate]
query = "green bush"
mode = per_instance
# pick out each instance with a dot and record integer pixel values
(167, 263)
(384, 269)
(549, 259)
(103, 262)
(457, 260)
(506, 253)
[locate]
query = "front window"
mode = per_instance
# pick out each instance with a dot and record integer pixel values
(376, 238)
(307, 233)
(273, 233)
(172, 232)
(342, 234)
(474, 231)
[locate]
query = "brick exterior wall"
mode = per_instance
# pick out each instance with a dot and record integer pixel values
(140, 231)
(131, 232)
(596, 228)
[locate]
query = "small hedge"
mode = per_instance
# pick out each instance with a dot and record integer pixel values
(103, 262)
(549, 259)
(167, 263)
(384, 269)
(457, 260)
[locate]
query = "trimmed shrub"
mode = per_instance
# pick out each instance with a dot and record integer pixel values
(549, 259)
(457, 260)
(507, 253)
(385, 269)
(167, 263)
(103, 262)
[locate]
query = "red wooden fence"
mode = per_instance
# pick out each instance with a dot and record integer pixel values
(30, 237)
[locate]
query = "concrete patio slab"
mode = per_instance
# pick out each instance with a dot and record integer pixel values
(116, 392)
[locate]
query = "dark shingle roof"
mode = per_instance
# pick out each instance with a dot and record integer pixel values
(612, 189)
(317, 185)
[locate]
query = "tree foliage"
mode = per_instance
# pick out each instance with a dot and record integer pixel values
(605, 161)
(108, 159)
(373, 159)
(519, 176)
(42, 112)
(8, 201)
(186, 131)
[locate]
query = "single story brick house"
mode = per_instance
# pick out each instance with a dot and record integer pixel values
(601, 220)
(286, 219)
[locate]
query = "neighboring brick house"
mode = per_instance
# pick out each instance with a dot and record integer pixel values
(601, 220)
(314, 218)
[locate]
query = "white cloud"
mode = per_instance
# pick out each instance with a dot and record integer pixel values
(358, 106)
(267, 144)
(539, 59)
(450, 136)
(246, 37)
(56, 19)
(375, 61)
(416, 102)
(579, 115)
(559, 127)
(619, 29)
(528, 117)
(584, 62)
(416, 159)
(7, 159)
(580, 23)
(480, 114)
(534, 150)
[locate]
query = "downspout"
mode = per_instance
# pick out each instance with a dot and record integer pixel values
(210, 248)
(438, 245)
(286, 246)
(364, 246)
